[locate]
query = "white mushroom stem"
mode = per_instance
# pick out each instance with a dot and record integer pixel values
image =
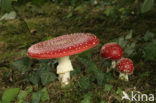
(123, 76)
(64, 78)
(112, 66)
(63, 70)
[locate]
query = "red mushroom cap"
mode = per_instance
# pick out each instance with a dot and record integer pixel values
(63, 46)
(125, 65)
(111, 51)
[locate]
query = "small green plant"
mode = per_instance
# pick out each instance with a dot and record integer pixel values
(146, 5)
(23, 65)
(127, 44)
(102, 101)
(23, 94)
(18, 96)
(147, 48)
(41, 75)
(150, 51)
(85, 83)
(110, 12)
(108, 87)
(39, 96)
(5, 5)
(148, 36)
(87, 98)
(9, 95)
(93, 74)
(119, 91)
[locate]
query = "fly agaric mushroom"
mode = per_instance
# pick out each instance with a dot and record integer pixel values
(112, 51)
(62, 47)
(125, 67)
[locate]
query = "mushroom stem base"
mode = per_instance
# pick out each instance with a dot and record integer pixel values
(112, 66)
(63, 70)
(123, 76)
(64, 78)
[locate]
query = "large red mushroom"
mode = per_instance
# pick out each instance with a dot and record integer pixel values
(125, 67)
(112, 51)
(62, 47)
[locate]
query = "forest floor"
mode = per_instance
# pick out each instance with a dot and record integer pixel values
(48, 21)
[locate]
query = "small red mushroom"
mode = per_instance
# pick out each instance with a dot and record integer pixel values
(112, 51)
(62, 47)
(125, 67)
